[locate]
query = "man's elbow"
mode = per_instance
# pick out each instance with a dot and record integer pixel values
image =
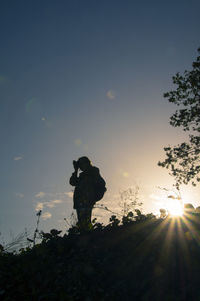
(73, 181)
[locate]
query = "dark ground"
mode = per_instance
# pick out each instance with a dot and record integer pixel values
(147, 260)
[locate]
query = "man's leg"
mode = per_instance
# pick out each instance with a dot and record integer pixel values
(88, 214)
(84, 218)
(80, 215)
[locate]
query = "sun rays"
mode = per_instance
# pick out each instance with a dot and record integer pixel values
(183, 225)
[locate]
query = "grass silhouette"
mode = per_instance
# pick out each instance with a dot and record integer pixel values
(144, 258)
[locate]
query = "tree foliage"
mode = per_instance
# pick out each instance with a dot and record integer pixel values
(184, 159)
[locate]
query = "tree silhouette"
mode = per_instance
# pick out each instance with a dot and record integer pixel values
(183, 159)
(189, 209)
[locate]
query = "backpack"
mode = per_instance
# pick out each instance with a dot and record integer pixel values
(100, 189)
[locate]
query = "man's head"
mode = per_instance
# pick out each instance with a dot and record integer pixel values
(84, 163)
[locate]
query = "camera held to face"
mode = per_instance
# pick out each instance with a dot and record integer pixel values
(76, 165)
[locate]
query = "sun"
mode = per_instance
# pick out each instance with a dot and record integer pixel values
(175, 208)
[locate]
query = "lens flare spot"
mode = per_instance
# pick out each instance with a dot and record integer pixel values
(111, 94)
(78, 142)
(125, 174)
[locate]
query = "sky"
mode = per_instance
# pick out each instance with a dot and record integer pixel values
(86, 78)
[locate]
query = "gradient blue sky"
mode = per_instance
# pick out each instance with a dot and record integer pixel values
(86, 77)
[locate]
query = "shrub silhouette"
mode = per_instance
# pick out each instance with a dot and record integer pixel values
(133, 258)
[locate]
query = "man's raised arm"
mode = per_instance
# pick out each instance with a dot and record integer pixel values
(74, 177)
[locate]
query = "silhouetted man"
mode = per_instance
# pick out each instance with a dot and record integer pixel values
(89, 188)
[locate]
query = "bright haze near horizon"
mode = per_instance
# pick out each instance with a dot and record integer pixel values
(87, 78)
